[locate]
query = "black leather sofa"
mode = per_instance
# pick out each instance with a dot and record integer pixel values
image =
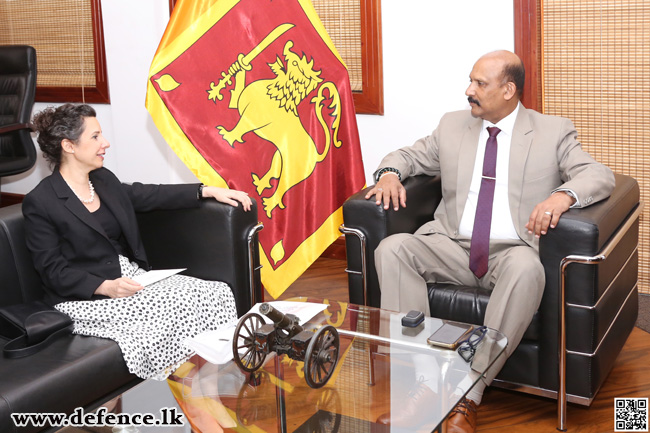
(591, 265)
(214, 241)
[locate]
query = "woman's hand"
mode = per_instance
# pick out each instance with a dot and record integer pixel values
(228, 196)
(119, 288)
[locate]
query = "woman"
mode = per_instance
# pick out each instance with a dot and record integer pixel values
(81, 229)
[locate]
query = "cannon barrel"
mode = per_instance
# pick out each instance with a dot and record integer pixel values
(288, 322)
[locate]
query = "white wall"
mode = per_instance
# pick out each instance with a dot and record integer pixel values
(429, 49)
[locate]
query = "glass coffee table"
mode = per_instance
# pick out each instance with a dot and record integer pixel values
(382, 368)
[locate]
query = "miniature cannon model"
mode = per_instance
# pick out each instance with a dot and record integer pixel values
(254, 339)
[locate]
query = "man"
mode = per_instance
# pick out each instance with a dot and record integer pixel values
(534, 171)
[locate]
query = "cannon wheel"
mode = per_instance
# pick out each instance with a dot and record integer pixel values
(330, 404)
(321, 356)
(250, 407)
(245, 351)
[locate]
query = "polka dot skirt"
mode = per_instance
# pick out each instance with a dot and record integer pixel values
(151, 326)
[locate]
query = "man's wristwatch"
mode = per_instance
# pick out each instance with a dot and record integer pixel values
(199, 192)
(381, 171)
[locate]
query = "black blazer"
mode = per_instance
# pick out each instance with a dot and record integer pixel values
(70, 249)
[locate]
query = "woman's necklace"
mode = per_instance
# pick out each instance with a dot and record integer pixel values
(92, 193)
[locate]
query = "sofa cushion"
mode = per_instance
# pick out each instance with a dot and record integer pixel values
(468, 304)
(73, 371)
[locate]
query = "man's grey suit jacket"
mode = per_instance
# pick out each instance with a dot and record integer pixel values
(545, 155)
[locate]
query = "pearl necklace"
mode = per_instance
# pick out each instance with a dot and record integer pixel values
(92, 193)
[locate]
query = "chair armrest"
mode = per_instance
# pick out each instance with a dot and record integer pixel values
(585, 231)
(373, 223)
(18, 152)
(15, 127)
(212, 242)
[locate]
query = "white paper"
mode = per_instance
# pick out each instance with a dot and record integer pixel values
(216, 346)
(155, 276)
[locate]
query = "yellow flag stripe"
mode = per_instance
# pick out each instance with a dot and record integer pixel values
(276, 281)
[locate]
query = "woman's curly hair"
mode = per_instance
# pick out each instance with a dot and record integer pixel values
(53, 125)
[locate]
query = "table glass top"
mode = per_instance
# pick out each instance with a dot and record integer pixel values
(381, 367)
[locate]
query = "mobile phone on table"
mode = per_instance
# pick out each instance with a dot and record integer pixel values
(450, 334)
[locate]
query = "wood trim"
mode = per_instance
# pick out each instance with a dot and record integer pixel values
(101, 73)
(72, 94)
(527, 38)
(371, 99)
(97, 94)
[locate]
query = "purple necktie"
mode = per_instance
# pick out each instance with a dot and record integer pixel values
(480, 246)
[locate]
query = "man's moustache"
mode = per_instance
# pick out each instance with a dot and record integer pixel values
(473, 101)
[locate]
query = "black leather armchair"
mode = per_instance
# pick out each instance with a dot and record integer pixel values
(17, 89)
(590, 302)
(215, 241)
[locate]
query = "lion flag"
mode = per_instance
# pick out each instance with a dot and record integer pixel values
(252, 95)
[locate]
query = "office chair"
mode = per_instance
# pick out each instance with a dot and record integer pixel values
(17, 89)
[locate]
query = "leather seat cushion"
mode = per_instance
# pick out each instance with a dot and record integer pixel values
(468, 304)
(73, 371)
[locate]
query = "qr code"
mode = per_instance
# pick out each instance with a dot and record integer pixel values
(631, 414)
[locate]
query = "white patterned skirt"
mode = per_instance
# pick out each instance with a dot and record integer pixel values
(151, 325)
